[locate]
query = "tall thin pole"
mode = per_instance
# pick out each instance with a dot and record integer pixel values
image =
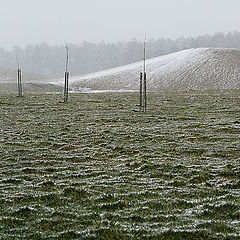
(67, 57)
(66, 87)
(144, 55)
(141, 93)
(19, 78)
(145, 91)
(20, 81)
(144, 78)
(66, 76)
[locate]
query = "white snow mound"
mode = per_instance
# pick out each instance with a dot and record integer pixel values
(202, 68)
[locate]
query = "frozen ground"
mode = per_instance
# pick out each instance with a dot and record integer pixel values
(95, 168)
(202, 68)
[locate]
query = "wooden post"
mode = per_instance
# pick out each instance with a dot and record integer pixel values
(19, 78)
(66, 77)
(145, 91)
(140, 93)
(20, 92)
(66, 87)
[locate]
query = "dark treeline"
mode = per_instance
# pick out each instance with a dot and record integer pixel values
(49, 61)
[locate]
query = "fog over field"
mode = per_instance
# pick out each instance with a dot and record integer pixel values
(99, 37)
(30, 22)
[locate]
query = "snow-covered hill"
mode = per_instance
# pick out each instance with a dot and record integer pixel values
(202, 68)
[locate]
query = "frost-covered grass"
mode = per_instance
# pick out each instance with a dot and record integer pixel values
(96, 168)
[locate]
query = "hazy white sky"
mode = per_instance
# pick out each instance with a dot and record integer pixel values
(54, 21)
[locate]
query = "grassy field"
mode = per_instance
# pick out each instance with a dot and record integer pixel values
(96, 168)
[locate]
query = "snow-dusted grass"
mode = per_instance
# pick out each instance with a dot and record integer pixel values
(96, 168)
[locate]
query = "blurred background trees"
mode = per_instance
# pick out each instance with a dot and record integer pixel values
(48, 61)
